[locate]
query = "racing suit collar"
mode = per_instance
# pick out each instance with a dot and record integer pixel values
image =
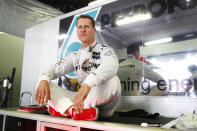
(92, 46)
(130, 56)
(89, 48)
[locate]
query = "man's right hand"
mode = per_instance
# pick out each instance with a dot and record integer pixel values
(42, 92)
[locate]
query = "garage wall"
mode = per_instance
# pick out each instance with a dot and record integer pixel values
(11, 55)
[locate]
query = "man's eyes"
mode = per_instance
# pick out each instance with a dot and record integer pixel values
(86, 27)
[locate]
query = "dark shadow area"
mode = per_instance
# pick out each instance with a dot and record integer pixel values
(137, 117)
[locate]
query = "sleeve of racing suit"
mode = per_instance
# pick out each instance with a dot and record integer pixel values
(59, 69)
(107, 69)
(151, 75)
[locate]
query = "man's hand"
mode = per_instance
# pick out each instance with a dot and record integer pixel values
(80, 96)
(42, 92)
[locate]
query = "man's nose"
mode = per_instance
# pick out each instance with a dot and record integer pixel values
(83, 28)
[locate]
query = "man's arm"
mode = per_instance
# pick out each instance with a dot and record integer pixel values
(43, 92)
(54, 71)
(80, 96)
(151, 75)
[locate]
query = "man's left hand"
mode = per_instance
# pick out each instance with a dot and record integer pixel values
(80, 96)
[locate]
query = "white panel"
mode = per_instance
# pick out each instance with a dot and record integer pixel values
(40, 51)
(50, 44)
(186, 45)
(31, 59)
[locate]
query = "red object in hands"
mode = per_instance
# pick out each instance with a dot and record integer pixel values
(142, 59)
(87, 114)
(53, 112)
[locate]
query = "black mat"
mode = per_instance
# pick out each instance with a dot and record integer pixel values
(136, 117)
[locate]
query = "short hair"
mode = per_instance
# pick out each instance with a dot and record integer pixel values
(192, 68)
(132, 48)
(88, 17)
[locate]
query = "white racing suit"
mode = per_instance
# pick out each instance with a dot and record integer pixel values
(96, 66)
(131, 72)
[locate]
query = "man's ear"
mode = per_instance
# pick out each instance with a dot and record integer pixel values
(136, 54)
(94, 30)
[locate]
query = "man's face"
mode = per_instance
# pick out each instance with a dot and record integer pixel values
(136, 54)
(85, 31)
